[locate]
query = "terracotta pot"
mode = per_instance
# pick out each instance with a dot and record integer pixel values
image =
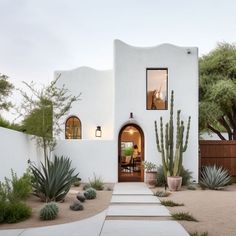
(174, 183)
(151, 178)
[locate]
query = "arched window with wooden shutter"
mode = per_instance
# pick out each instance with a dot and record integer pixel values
(73, 128)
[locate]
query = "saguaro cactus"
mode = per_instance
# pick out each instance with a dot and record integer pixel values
(172, 163)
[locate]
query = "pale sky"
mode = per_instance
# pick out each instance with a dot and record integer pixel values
(38, 37)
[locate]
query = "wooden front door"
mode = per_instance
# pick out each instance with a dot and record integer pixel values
(131, 136)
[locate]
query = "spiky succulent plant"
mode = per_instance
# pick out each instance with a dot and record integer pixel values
(53, 180)
(214, 177)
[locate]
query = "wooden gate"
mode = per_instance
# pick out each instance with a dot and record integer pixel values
(220, 153)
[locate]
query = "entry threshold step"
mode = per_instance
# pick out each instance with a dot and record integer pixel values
(131, 189)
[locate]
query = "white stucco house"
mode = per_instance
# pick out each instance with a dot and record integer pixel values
(118, 108)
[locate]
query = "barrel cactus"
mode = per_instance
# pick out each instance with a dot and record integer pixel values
(49, 211)
(90, 193)
(172, 159)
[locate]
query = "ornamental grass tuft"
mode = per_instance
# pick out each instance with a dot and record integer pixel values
(96, 183)
(162, 194)
(183, 216)
(170, 203)
(199, 234)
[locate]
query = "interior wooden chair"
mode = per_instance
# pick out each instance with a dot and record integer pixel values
(127, 164)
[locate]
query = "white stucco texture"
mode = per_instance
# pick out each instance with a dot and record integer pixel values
(130, 65)
(96, 104)
(91, 157)
(108, 98)
(16, 149)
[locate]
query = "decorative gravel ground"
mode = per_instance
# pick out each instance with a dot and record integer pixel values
(215, 210)
(91, 207)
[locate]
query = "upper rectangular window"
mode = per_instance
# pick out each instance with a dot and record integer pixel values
(157, 88)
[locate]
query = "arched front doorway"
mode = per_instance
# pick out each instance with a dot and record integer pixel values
(130, 154)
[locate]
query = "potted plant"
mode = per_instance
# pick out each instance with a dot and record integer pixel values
(172, 159)
(128, 151)
(151, 173)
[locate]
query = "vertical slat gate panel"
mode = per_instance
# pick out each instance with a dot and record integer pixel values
(220, 153)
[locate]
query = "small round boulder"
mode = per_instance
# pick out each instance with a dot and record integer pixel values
(76, 206)
(80, 197)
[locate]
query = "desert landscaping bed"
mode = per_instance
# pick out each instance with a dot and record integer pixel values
(91, 208)
(214, 210)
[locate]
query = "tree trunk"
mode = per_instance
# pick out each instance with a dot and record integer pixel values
(234, 134)
(216, 132)
(45, 151)
(225, 124)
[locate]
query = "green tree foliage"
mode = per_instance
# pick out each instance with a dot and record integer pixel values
(6, 124)
(39, 122)
(5, 90)
(42, 110)
(217, 91)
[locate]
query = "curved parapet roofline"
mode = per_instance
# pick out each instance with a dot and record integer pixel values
(118, 41)
(80, 72)
(88, 68)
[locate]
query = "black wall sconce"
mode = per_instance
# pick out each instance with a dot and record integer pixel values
(98, 132)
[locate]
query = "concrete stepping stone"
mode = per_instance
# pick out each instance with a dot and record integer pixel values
(148, 199)
(131, 188)
(11, 232)
(137, 210)
(88, 227)
(141, 227)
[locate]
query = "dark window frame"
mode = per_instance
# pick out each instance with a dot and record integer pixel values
(167, 84)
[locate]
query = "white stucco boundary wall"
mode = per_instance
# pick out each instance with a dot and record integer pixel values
(16, 149)
(91, 157)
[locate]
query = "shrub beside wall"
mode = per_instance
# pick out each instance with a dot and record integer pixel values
(12, 193)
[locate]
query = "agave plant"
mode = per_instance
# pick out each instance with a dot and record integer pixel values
(53, 180)
(214, 177)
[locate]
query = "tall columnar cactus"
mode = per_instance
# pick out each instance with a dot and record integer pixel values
(172, 162)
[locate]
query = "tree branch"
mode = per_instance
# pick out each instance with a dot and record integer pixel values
(226, 125)
(231, 120)
(216, 132)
